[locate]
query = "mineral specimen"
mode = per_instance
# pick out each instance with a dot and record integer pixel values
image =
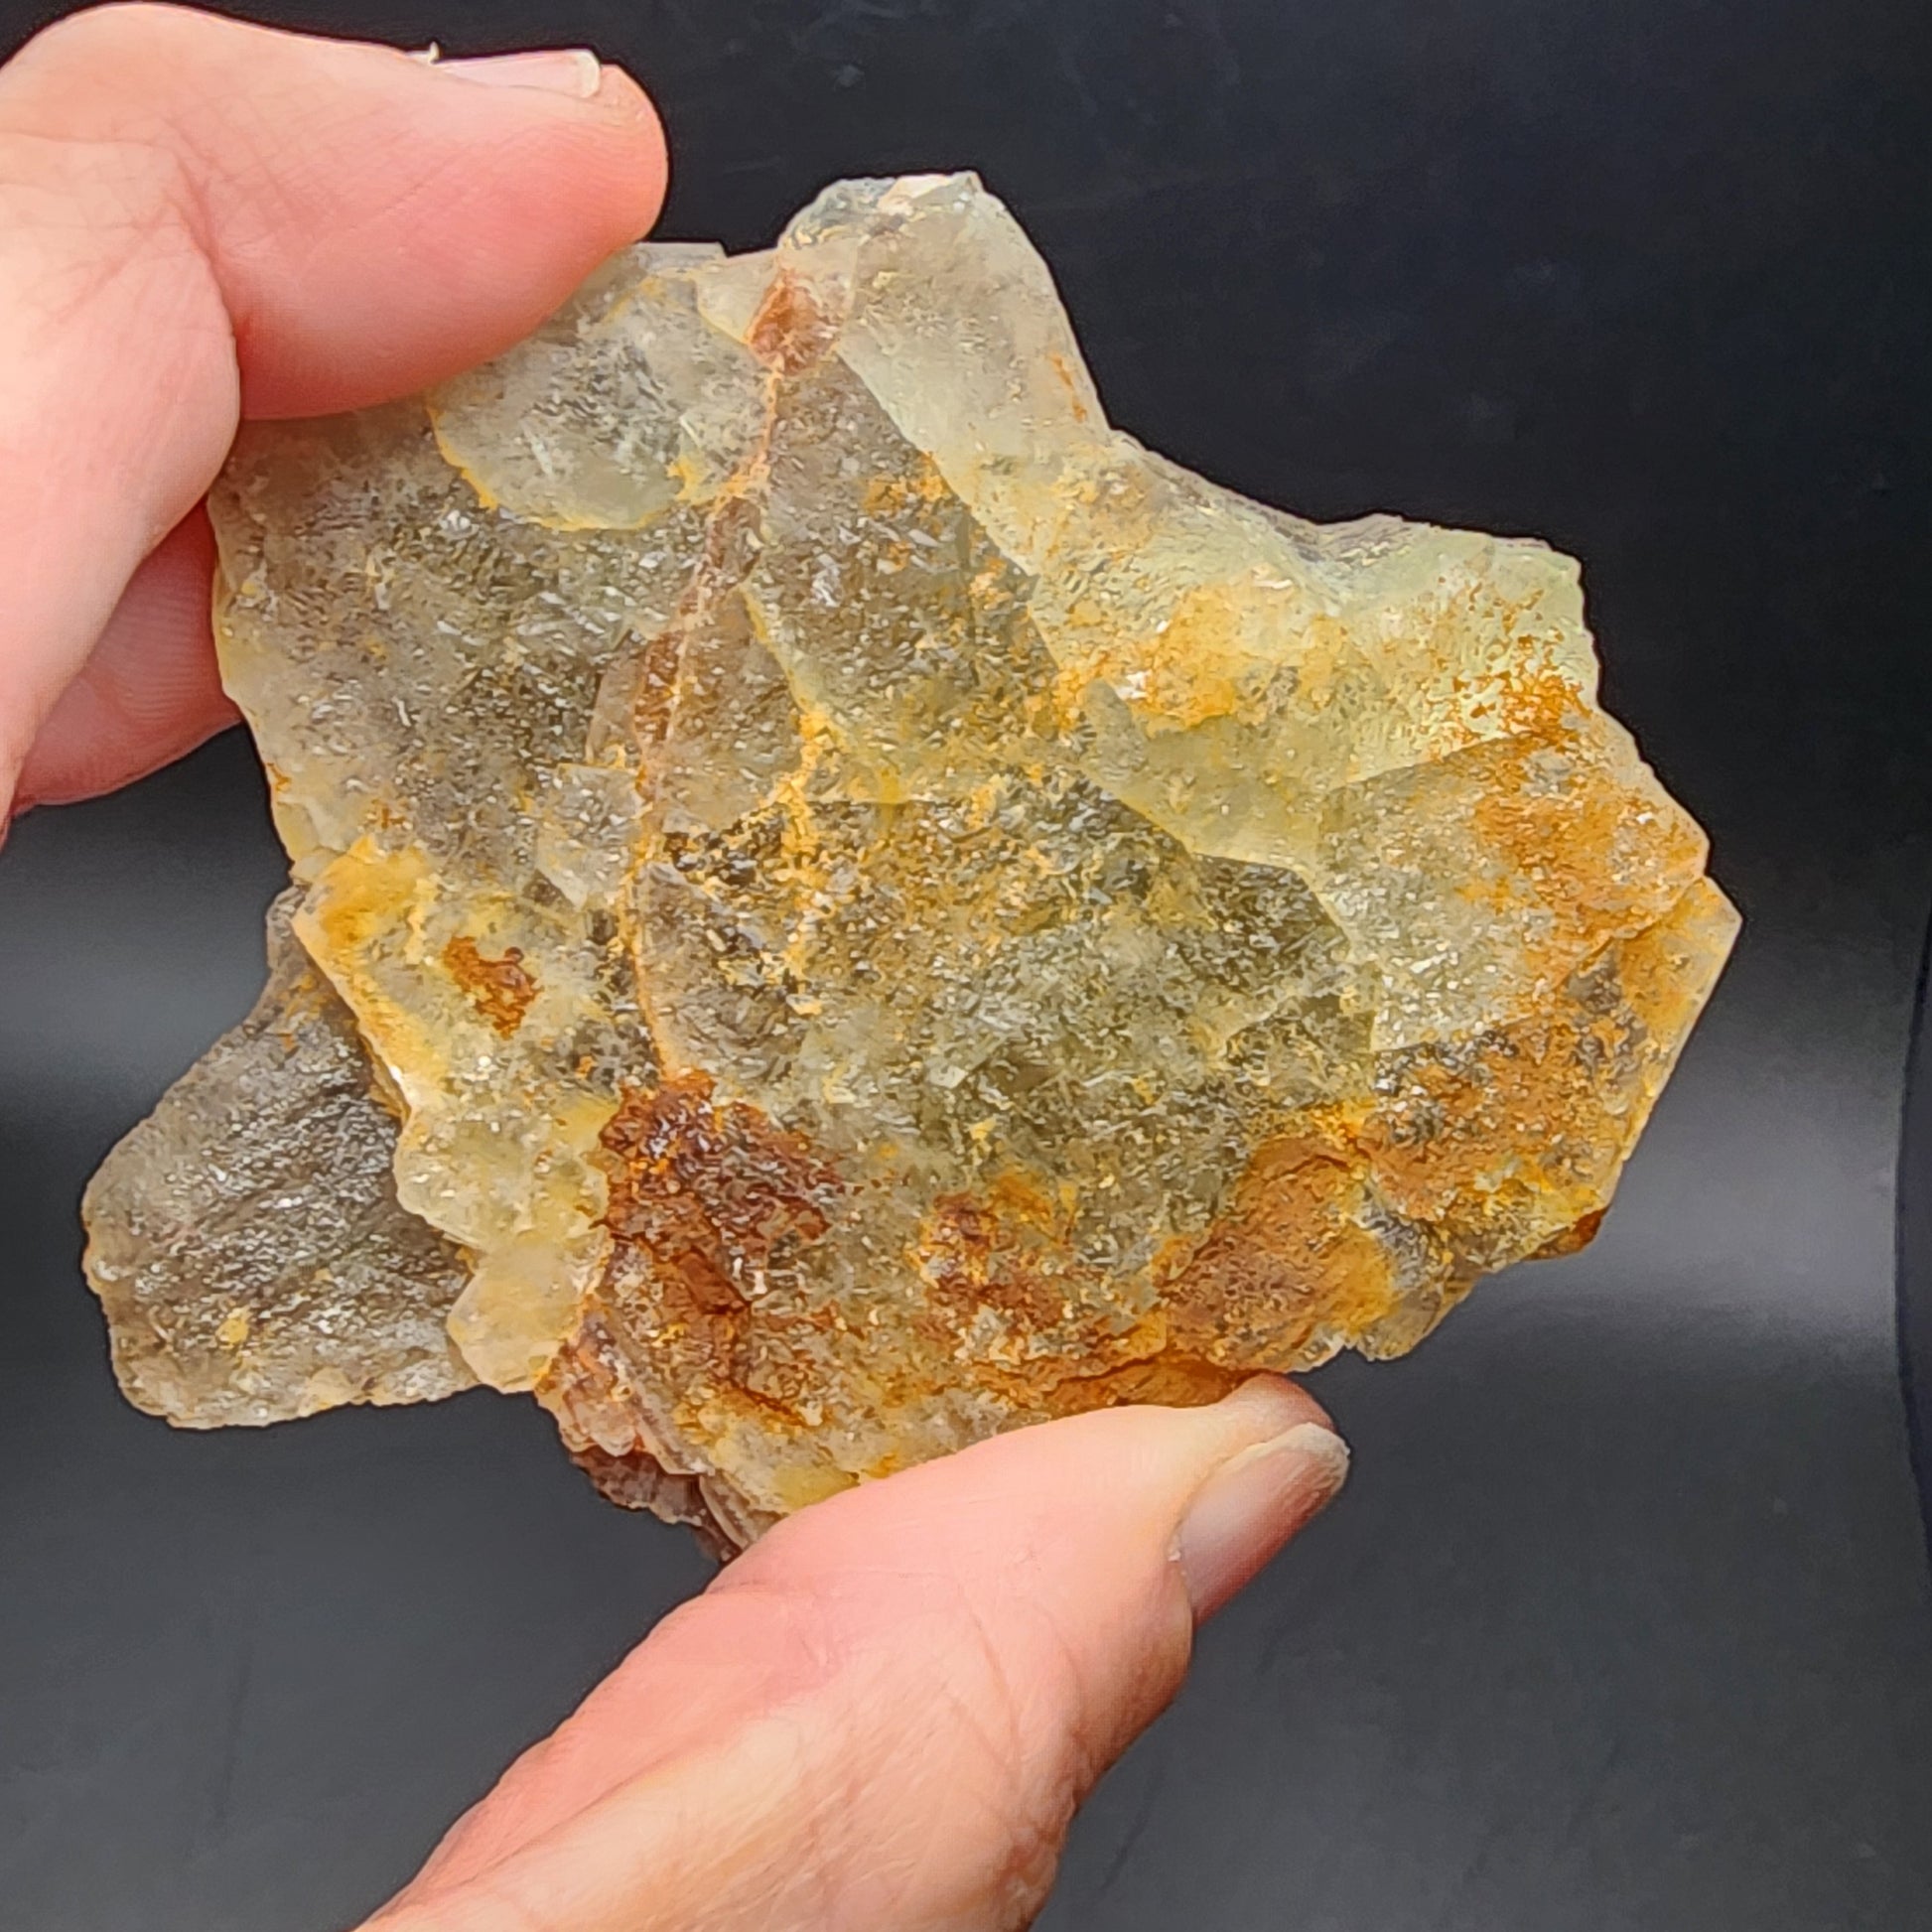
(843, 906)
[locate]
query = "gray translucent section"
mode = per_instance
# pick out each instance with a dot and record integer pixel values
(247, 1244)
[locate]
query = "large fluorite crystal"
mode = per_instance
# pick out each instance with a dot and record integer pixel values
(841, 904)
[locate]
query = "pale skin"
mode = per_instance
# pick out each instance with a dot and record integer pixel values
(883, 1717)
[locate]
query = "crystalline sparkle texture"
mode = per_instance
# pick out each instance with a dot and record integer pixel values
(844, 905)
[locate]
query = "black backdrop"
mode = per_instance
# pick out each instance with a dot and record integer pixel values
(1623, 1623)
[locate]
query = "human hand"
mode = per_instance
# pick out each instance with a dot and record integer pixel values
(201, 222)
(881, 1718)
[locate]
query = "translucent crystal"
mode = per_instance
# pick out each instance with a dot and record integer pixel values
(248, 1243)
(878, 910)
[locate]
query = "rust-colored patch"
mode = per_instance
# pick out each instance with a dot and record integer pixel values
(1562, 824)
(1063, 369)
(1533, 700)
(893, 499)
(711, 1209)
(499, 989)
(1548, 1089)
(1002, 1251)
(1565, 1093)
(790, 331)
(1574, 1239)
(1175, 1380)
(1291, 1256)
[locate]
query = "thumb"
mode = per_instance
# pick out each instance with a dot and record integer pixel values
(882, 1718)
(201, 220)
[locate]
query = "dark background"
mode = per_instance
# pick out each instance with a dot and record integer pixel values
(1623, 1623)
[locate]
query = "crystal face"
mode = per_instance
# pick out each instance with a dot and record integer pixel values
(842, 906)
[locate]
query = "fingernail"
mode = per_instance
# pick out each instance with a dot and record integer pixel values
(572, 71)
(1250, 1506)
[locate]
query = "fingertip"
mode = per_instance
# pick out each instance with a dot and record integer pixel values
(502, 198)
(946, 1658)
(1278, 1397)
(375, 221)
(623, 99)
(1250, 1509)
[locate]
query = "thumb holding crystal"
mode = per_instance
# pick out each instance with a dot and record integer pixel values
(205, 220)
(882, 1718)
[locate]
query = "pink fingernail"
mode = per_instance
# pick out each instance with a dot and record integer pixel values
(572, 71)
(1252, 1505)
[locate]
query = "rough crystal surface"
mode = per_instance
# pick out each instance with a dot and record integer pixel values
(247, 1244)
(844, 905)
